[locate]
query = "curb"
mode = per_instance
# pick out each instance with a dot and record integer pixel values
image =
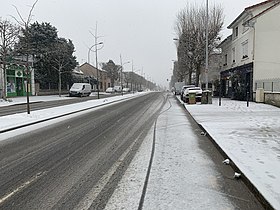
(244, 178)
(58, 116)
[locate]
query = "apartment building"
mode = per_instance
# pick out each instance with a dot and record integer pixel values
(251, 58)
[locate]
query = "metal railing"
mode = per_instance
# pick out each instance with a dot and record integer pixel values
(269, 86)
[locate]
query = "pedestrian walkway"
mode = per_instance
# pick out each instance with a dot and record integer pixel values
(183, 174)
(250, 136)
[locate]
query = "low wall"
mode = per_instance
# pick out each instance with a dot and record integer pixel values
(51, 92)
(272, 98)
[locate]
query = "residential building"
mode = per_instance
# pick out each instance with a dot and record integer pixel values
(92, 75)
(251, 53)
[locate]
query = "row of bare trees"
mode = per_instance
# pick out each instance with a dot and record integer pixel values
(190, 28)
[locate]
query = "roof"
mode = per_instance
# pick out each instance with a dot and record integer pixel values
(263, 12)
(229, 38)
(77, 70)
(89, 70)
(247, 9)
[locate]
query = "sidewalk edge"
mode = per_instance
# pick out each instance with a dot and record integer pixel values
(245, 179)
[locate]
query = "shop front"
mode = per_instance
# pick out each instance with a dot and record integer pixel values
(237, 83)
(17, 81)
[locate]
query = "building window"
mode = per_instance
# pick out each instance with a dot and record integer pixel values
(233, 55)
(245, 25)
(225, 60)
(236, 31)
(245, 49)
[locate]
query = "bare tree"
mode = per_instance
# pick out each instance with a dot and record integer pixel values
(190, 28)
(24, 28)
(8, 36)
(62, 58)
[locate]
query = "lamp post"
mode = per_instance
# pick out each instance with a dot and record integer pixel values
(206, 53)
(89, 50)
(96, 62)
(122, 64)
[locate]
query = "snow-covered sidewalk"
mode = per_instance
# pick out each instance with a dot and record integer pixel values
(250, 136)
(33, 99)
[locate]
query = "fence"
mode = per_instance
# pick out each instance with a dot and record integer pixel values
(271, 91)
(268, 86)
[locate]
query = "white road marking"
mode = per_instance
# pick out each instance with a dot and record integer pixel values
(86, 202)
(24, 185)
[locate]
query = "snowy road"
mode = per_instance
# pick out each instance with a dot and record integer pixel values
(75, 163)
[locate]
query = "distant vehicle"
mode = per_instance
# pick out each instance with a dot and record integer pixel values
(183, 89)
(178, 87)
(110, 90)
(80, 89)
(196, 90)
(127, 90)
(118, 88)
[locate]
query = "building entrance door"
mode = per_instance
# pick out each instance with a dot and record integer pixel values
(19, 86)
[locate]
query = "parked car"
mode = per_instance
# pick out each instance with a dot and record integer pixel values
(183, 89)
(118, 89)
(127, 90)
(110, 90)
(196, 90)
(178, 87)
(80, 89)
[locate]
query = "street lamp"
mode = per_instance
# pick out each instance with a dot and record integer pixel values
(206, 53)
(96, 63)
(122, 64)
(90, 49)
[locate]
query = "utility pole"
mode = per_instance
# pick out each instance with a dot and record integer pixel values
(96, 62)
(121, 73)
(132, 77)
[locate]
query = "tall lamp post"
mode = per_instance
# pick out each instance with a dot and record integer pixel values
(122, 64)
(96, 62)
(89, 50)
(206, 47)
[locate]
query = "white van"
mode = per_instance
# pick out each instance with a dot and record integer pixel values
(80, 89)
(118, 89)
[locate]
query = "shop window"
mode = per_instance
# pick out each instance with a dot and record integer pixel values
(11, 87)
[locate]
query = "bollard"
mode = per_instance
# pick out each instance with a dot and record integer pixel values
(247, 99)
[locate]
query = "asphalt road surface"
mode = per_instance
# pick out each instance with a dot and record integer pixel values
(57, 166)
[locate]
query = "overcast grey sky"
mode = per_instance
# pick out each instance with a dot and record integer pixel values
(141, 30)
